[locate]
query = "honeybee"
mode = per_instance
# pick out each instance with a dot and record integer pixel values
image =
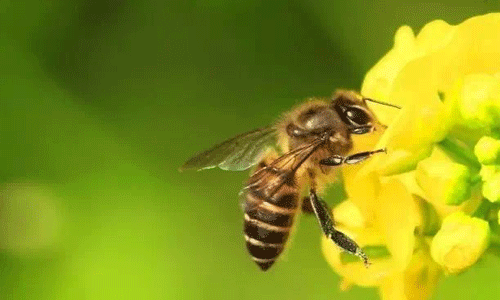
(300, 151)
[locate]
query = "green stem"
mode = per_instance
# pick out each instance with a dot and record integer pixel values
(460, 152)
(431, 217)
(494, 247)
(475, 179)
(495, 239)
(483, 210)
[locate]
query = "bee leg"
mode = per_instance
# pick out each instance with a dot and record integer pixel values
(336, 160)
(306, 206)
(326, 223)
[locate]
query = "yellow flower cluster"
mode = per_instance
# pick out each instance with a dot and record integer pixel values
(420, 211)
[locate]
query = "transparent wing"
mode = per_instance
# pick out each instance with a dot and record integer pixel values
(268, 179)
(236, 154)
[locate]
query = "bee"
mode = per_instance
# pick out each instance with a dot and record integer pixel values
(300, 151)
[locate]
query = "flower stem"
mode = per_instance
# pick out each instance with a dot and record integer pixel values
(460, 152)
(475, 179)
(495, 239)
(483, 210)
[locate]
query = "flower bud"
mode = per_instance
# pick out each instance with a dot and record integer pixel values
(488, 172)
(487, 151)
(443, 180)
(460, 242)
(479, 101)
(491, 188)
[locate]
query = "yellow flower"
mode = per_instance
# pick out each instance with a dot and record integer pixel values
(435, 87)
(416, 282)
(447, 81)
(460, 242)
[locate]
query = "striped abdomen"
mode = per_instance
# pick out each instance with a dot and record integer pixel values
(269, 214)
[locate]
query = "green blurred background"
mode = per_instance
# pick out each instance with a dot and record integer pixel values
(101, 101)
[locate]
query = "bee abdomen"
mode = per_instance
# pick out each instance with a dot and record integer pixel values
(268, 225)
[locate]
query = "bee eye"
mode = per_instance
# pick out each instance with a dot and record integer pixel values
(353, 115)
(357, 116)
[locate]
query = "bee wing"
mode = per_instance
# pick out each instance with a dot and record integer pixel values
(270, 178)
(236, 154)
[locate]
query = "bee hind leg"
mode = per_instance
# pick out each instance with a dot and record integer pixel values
(326, 223)
(306, 206)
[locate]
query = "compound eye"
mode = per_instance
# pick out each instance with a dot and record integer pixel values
(356, 116)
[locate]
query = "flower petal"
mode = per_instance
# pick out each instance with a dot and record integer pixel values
(397, 217)
(379, 81)
(416, 283)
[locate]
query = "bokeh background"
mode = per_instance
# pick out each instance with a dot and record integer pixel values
(102, 100)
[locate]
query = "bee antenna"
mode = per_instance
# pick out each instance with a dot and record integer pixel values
(383, 103)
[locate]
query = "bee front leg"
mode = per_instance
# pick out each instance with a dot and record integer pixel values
(326, 223)
(336, 160)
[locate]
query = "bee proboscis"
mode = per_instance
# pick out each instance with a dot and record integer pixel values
(301, 150)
